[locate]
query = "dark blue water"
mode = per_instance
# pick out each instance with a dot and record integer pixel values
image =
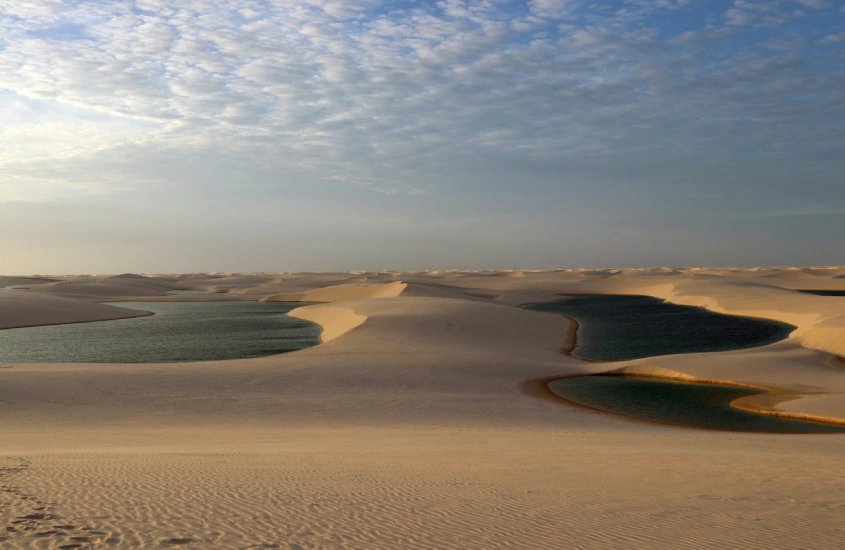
(619, 328)
(178, 332)
(705, 406)
(824, 292)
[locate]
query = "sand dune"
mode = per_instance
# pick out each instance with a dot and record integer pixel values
(21, 309)
(335, 321)
(420, 422)
(97, 291)
(509, 273)
(789, 275)
(342, 293)
(128, 276)
(23, 281)
(224, 283)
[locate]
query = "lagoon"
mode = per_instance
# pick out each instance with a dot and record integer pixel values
(178, 332)
(824, 292)
(694, 405)
(622, 327)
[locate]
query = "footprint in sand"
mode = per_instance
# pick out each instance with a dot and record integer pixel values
(68, 527)
(35, 517)
(71, 546)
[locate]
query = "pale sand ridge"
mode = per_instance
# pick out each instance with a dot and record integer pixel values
(344, 292)
(18, 309)
(335, 321)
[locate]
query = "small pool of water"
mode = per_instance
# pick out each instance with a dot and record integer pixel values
(619, 328)
(178, 332)
(705, 406)
(189, 292)
(824, 292)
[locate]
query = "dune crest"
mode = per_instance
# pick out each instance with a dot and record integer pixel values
(344, 293)
(335, 321)
(653, 372)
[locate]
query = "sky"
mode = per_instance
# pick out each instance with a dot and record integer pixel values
(300, 135)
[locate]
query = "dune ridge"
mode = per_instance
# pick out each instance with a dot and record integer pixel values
(343, 293)
(335, 321)
(20, 310)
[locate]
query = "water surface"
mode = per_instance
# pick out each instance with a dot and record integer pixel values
(178, 332)
(705, 406)
(619, 328)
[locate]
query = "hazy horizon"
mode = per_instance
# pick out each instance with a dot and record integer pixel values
(341, 135)
(763, 268)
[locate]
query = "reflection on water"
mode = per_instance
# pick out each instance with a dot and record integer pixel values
(179, 331)
(619, 328)
(705, 406)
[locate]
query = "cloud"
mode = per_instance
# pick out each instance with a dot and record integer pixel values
(818, 4)
(555, 9)
(832, 39)
(31, 9)
(558, 100)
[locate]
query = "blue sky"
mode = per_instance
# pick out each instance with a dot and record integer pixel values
(150, 135)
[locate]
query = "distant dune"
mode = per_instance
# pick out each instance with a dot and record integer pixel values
(789, 275)
(98, 290)
(15, 281)
(344, 292)
(19, 309)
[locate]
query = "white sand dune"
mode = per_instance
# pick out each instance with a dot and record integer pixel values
(224, 283)
(19, 309)
(509, 273)
(97, 291)
(335, 321)
(302, 282)
(421, 422)
(789, 275)
(128, 276)
(23, 281)
(344, 292)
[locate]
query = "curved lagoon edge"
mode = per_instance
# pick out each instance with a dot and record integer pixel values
(541, 388)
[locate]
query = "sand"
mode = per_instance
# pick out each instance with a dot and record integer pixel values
(418, 423)
(25, 309)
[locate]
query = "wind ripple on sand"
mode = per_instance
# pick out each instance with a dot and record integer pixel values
(480, 493)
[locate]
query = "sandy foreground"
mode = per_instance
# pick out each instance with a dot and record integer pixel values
(418, 423)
